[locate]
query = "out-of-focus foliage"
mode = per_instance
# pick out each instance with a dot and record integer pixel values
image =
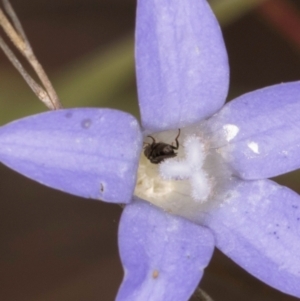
(102, 78)
(99, 79)
(228, 11)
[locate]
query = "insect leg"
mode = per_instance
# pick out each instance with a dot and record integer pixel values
(176, 139)
(152, 139)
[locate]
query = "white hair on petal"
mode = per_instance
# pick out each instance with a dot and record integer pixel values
(200, 187)
(190, 168)
(194, 151)
(174, 169)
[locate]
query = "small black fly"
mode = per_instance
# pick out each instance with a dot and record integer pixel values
(157, 152)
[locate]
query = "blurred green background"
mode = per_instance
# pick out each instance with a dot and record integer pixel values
(59, 247)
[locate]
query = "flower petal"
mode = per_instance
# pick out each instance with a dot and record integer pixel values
(163, 255)
(262, 129)
(258, 227)
(181, 63)
(87, 152)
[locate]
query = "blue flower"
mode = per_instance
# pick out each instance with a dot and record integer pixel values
(182, 74)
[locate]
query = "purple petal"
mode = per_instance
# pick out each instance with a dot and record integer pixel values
(163, 255)
(258, 227)
(181, 63)
(87, 152)
(263, 130)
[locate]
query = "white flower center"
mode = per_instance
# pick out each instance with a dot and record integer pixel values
(191, 168)
(189, 182)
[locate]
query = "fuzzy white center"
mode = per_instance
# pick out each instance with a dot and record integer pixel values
(192, 182)
(190, 168)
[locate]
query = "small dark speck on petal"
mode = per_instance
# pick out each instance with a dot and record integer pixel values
(86, 123)
(274, 232)
(298, 218)
(295, 206)
(155, 274)
(101, 187)
(69, 115)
